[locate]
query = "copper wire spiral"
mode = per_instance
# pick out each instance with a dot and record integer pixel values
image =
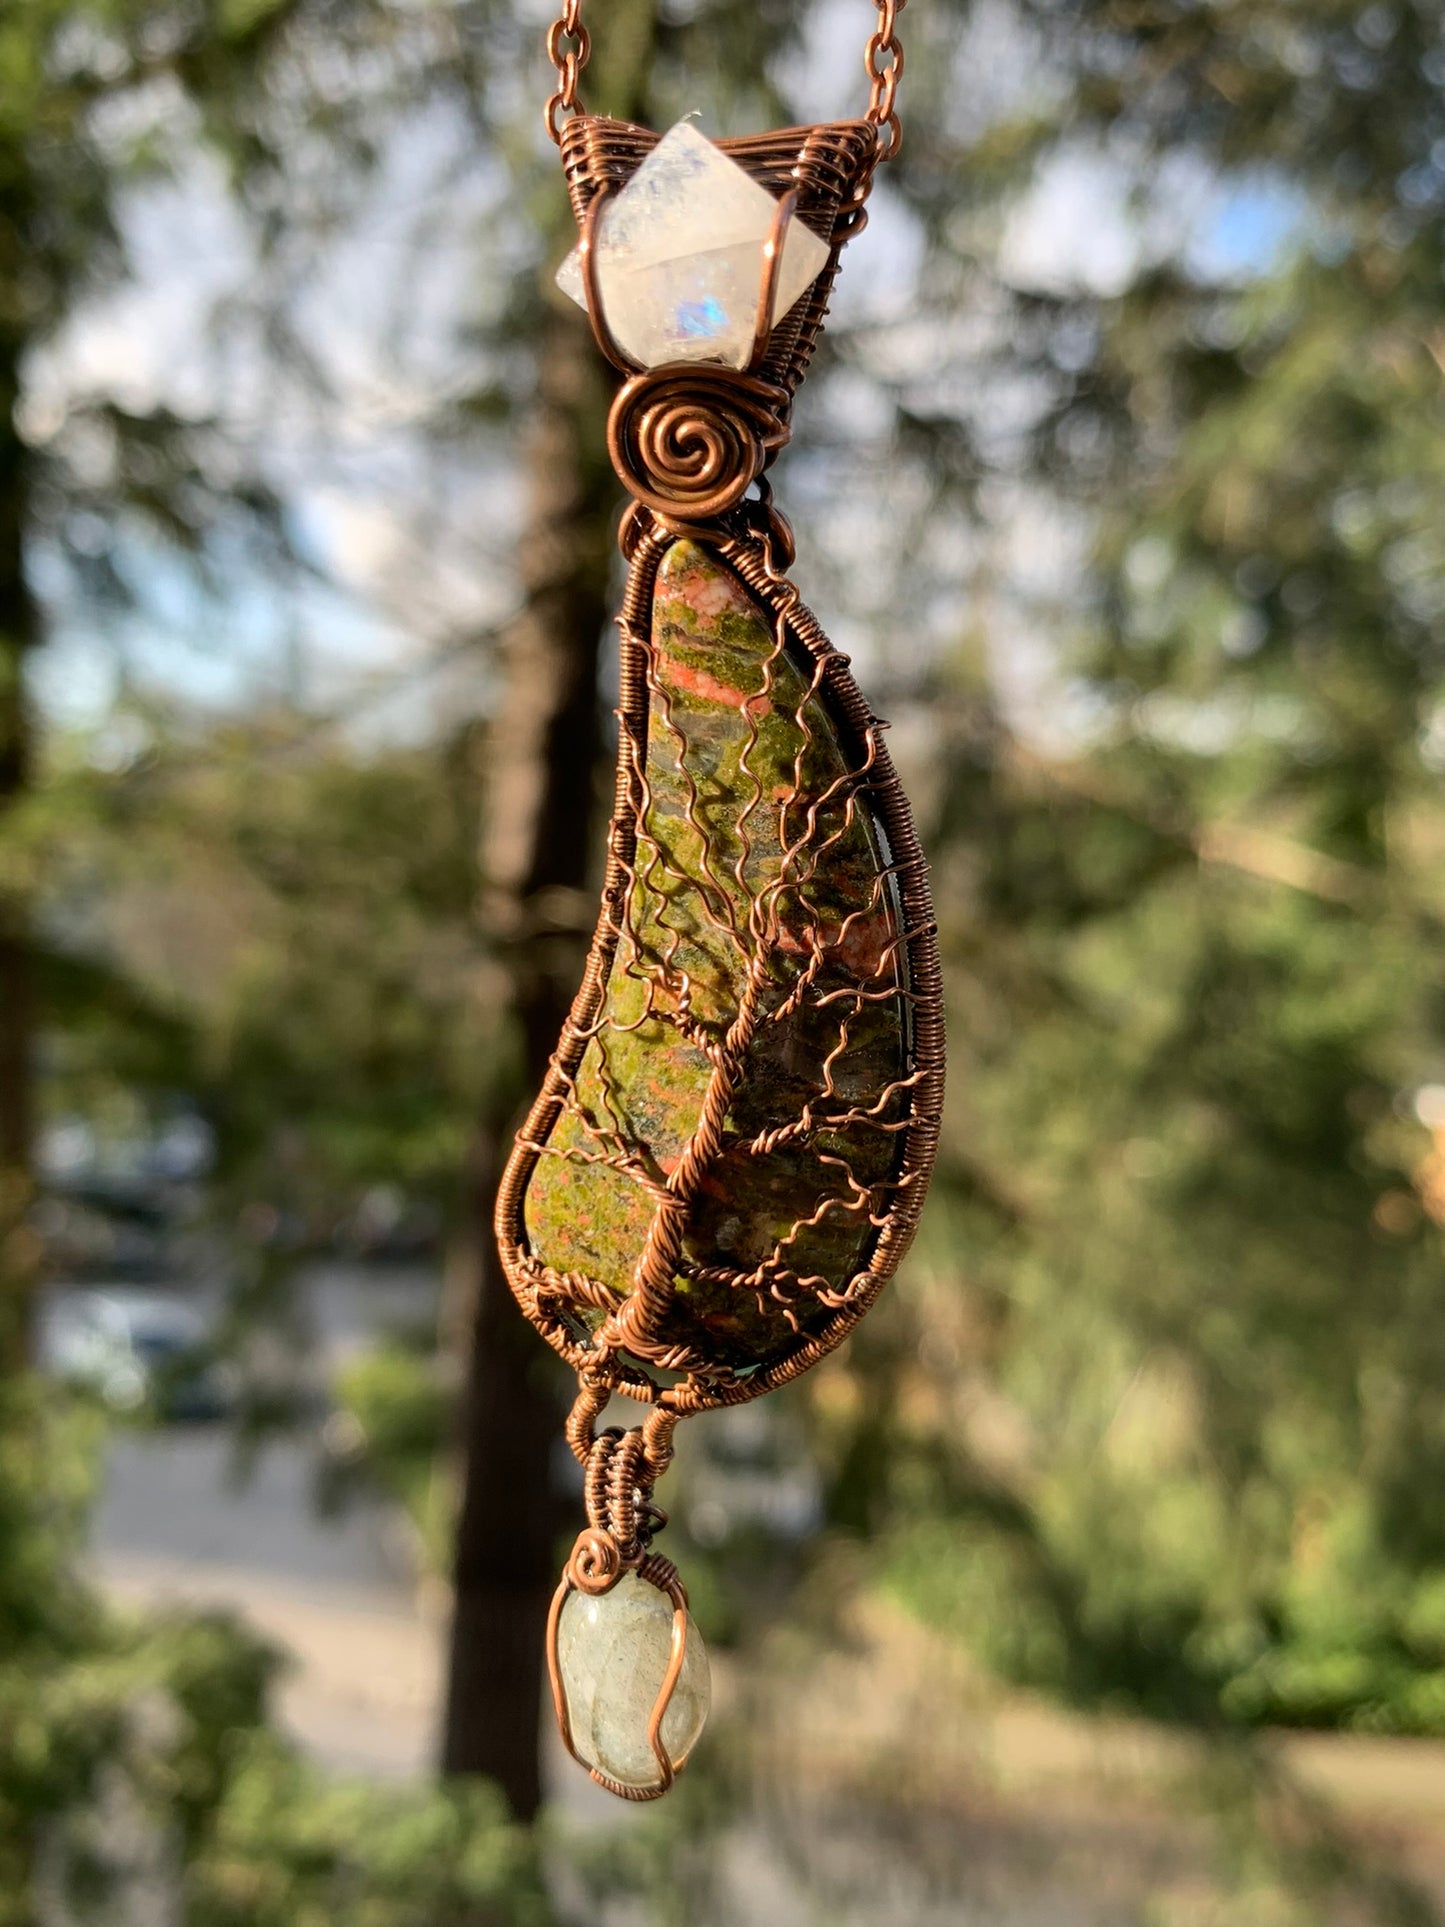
(596, 1563)
(689, 439)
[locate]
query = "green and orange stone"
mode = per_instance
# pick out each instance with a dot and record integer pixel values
(744, 763)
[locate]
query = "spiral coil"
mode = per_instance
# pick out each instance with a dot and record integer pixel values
(691, 440)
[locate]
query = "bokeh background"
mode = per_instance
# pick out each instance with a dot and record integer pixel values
(1101, 1577)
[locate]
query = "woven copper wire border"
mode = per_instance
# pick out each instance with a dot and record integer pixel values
(704, 1387)
(662, 1574)
(509, 1220)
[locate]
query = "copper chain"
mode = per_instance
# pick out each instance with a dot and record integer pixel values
(883, 63)
(569, 44)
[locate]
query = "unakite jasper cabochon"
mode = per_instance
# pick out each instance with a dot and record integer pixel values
(748, 774)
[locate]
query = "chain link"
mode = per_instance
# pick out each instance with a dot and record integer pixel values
(883, 63)
(569, 45)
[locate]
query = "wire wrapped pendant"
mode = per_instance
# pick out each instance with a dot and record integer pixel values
(730, 1152)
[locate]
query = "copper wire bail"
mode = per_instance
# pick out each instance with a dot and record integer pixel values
(689, 438)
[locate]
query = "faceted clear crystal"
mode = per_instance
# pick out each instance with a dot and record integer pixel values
(612, 1652)
(680, 256)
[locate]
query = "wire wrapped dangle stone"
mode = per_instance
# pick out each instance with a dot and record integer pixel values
(729, 1154)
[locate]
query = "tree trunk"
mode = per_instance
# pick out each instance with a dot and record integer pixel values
(538, 843)
(538, 840)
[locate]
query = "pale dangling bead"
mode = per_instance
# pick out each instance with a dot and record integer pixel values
(612, 1654)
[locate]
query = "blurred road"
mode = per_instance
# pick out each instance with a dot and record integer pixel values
(182, 1520)
(178, 1498)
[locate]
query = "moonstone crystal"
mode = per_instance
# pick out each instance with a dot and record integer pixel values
(612, 1651)
(679, 256)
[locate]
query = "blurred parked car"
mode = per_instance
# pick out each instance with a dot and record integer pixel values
(138, 1351)
(110, 1239)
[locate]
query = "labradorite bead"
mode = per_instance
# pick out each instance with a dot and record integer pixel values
(612, 1653)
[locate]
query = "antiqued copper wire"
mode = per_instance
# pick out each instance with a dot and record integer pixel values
(692, 439)
(596, 306)
(569, 47)
(772, 268)
(883, 64)
(620, 1470)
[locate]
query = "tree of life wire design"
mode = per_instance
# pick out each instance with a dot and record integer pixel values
(761, 933)
(757, 928)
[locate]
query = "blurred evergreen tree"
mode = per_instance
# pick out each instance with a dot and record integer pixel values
(85, 91)
(1171, 1435)
(117, 1735)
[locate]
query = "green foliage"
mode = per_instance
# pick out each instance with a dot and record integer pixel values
(352, 1008)
(87, 1697)
(116, 1731)
(46, 1463)
(401, 1422)
(289, 923)
(291, 1849)
(1167, 1430)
